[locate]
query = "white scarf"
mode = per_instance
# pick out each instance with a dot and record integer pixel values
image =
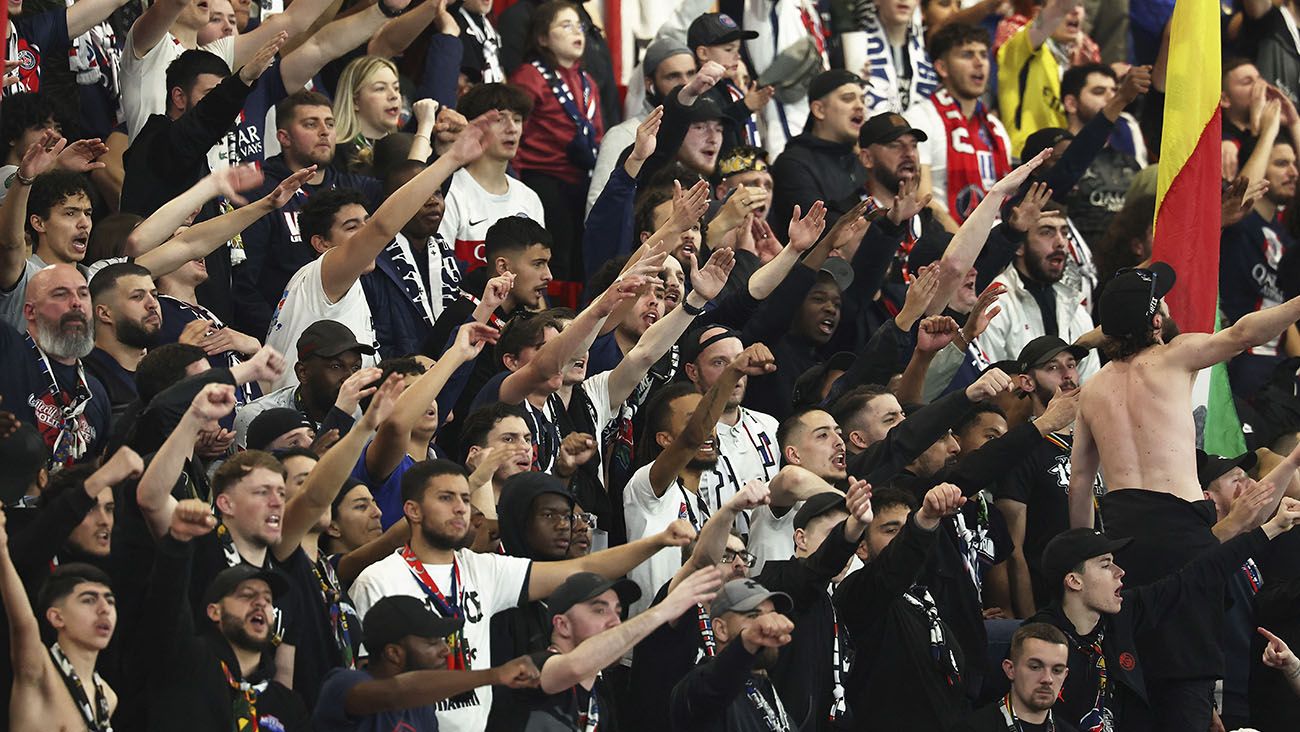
(870, 48)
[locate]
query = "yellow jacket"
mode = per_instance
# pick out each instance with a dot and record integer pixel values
(1029, 89)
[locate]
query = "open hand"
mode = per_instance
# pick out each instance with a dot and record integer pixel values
(708, 282)
(803, 232)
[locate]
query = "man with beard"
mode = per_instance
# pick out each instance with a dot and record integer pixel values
(436, 568)
(415, 277)
(1032, 495)
(217, 675)
(732, 692)
(967, 149)
(1087, 92)
(55, 686)
(46, 384)
(1251, 253)
(1036, 301)
(273, 246)
(1037, 667)
(127, 318)
(1152, 491)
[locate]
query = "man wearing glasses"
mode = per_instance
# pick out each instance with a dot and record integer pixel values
(1136, 425)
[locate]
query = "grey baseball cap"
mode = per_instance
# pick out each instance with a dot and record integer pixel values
(743, 595)
(660, 51)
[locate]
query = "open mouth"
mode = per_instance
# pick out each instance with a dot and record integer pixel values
(709, 152)
(689, 249)
(80, 242)
(838, 460)
(857, 119)
(826, 326)
(258, 621)
(393, 112)
(103, 536)
(707, 446)
(104, 628)
(978, 80)
(273, 522)
(650, 318)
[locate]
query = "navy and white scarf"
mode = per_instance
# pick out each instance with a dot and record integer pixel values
(441, 258)
(582, 150)
(886, 91)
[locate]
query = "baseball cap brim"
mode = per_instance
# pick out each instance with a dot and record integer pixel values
(1079, 352)
(781, 602)
(1211, 467)
(628, 592)
(818, 505)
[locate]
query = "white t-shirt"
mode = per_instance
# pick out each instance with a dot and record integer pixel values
(771, 537)
(747, 450)
(645, 515)
(489, 583)
(304, 302)
(471, 211)
(934, 151)
(144, 80)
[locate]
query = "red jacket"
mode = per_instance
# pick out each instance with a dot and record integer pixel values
(549, 129)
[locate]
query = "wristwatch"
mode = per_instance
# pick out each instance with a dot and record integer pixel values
(389, 12)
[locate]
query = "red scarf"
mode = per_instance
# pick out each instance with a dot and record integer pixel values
(977, 156)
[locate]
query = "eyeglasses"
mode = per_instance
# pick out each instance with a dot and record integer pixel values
(569, 26)
(567, 519)
(729, 556)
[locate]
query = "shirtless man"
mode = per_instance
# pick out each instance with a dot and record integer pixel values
(57, 688)
(1135, 424)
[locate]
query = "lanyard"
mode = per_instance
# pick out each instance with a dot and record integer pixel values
(1099, 718)
(91, 714)
(1013, 724)
(1253, 576)
(332, 595)
(456, 661)
(920, 597)
(70, 444)
(839, 668)
(974, 543)
(776, 719)
(494, 320)
(589, 721)
(245, 705)
(706, 630)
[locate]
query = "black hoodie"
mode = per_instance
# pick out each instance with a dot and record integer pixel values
(812, 169)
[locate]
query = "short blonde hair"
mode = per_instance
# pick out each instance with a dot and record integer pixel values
(354, 76)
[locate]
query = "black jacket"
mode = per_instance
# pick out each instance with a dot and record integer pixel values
(895, 682)
(812, 169)
(712, 697)
(1143, 609)
(803, 674)
(187, 685)
(881, 462)
(991, 719)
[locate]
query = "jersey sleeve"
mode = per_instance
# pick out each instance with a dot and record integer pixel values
(501, 580)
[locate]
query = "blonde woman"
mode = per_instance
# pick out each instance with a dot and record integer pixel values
(367, 108)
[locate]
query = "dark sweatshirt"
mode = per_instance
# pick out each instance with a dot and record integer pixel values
(713, 696)
(812, 169)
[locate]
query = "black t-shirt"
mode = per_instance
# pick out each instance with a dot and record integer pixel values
(991, 719)
(317, 650)
(1041, 481)
(658, 662)
(576, 708)
(26, 390)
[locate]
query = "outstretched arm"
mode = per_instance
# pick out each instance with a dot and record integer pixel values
(754, 361)
(418, 688)
(86, 14)
(346, 262)
(617, 561)
(712, 543)
(154, 492)
(296, 18)
(332, 41)
(152, 26)
(565, 670)
(1196, 351)
(27, 655)
(163, 223)
(1049, 19)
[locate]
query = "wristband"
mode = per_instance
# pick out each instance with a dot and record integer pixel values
(22, 179)
(690, 309)
(389, 12)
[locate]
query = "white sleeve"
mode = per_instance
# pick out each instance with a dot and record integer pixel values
(225, 48)
(921, 116)
(500, 579)
(597, 388)
(365, 591)
(449, 229)
(142, 80)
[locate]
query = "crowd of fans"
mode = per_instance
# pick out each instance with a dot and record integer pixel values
(388, 365)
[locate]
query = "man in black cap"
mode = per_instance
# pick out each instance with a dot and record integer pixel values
(280, 428)
(220, 675)
(329, 356)
(716, 37)
(692, 128)
(732, 691)
(1146, 451)
(820, 163)
(1032, 494)
(587, 635)
(1113, 679)
(811, 673)
(407, 673)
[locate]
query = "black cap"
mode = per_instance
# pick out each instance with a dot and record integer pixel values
(928, 249)
(584, 586)
(329, 338)
(694, 343)
(887, 127)
(397, 616)
(1007, 367)
(232, 577)
(807, 388)
(1211, 467)
(267, 426)
(818, 505)
(828, 81)
(743, 595)
(1043, 139)
(1132, 297)
(704, 109)
(1071, 548)
(1043, 349)
(715, 29)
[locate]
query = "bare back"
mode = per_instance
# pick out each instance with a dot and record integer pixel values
(1139, 414)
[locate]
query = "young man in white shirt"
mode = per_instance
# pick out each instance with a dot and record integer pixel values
(336, 224)
(967, 149)
(435, 566)
(484, 192)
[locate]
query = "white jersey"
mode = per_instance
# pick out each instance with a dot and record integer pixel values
(488, 584)
(471, 211)
(304, 302)
(747, 451)
(144, 79)
(646, 514)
